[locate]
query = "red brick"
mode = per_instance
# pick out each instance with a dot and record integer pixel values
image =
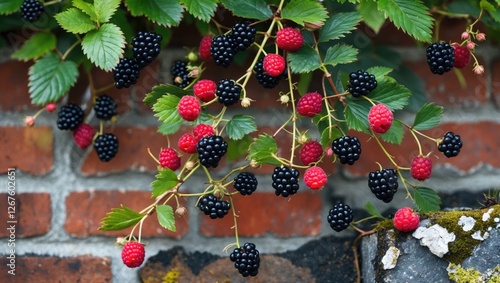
(33, 214)
(85, 210)
(262, 213)
(14, 78)
(21, 146)
(59, 269)
(495, 83)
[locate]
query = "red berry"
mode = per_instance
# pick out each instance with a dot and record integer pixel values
(29, 121)
(315, 178)
(51, 107)
(189, 108)
(83, 135)
(405, 220)
(421, 168)
(170, 159)
(202, 130)
(205, 90)
(187, 143)
(274, 64)
(204, 49)
(462, 56)
(133, 254)
(289, 39)
(380, 118)
(311, 152)
(310, 104)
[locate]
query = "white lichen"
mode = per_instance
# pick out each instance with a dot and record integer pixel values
(436, 238)
(390, 258)
(487, 215)
(466, 222)
(477, 236)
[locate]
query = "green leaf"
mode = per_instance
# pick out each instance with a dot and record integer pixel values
(10, 6)
(379, 72)
(372, 17)
(105, 9)
(262, 150)
(372, 210)
(166, 179)
(166, 111)
(338, 25)
(356, 113)
(166, 217)
(104, 46)
(50, 79)
(304, 61)
(164, 12)
(428, 116)
(392, 94)
(394, 134)
(75, 21)
(302, 11)
(201, 9)
(36, 46)
(120, 218)
(329, 135)
(487, 6)
(251, 9)
(340, 54)
(409, 15)
(161, 90)
(239, 126)
(426, 199)
(238, 148)
(169, 128)
(87, 8)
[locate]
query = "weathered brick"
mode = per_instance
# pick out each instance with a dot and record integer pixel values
(33, 214)
(14, 80)
(495, 83)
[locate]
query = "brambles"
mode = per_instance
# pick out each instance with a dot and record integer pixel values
(205, 90)
(245, 183)
(361, 83)
(380, 118)
(347, 149)
(210, 150)
(189, 108)
(83, 135)
(285, 181)
(104, 107)
(213, 207)
(405, 220)
(204, 48)
(421, 168)
(289, 39)
(246, 259)
(440, 57)
(273, 64)
(169, 158)
(315, 178)
(462, 56)
(222, 50)
(180, 74)
(340, 216)
(264, 79)
(146, 47)
(31, 10)
(243, 35)
(310, 104)
(311, 152)
(106, 146)
(202, 130)
(228, 93)
(187, 143)
(450, 145)
(126, 73)
(383, 184)
(133, 254)
(69, 117)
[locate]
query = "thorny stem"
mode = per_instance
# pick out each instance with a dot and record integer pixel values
(415, 131)
(235, 221)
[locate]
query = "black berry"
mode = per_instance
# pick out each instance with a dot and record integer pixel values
(106, 146)
(228, 93)
(340, 216)
(245, 183)
(450, 145)
(180, 74)
(146, 46)
(285, 181)
(105, 107)
(361, 83)
(383, 183)
(246, 259)
(31, 10)
(69, 117)
(222, 50)
(243, 35)
(440, 57)
(213, 207)
(210, 150)
(348, 149)
(126, 73)
(264, 79)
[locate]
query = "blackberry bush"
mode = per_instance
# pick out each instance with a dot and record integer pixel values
(285, 181)
(245, 183)
(440, 57)
(31, 10)
(105, 107)
(213, 207)
(340, 216)
(348, 149)
(126, 73)
(222, 50)
(228, 93)
(246, 259)
(361, 83)
(69, 117)
(146, 46)
(106, 146)
(383, 184)
(210, 150)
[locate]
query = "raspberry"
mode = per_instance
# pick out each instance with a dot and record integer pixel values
(51, 107)
(105, 107)
(285, 181)
(180, 74)
(462, 56)
(222, 50)
(405, 220)
(106, 146)
(347, 149)
(205, 90)
(421, 168)
(440, 57)
(31, 10)
(228, 93)
(315, 178)
(187, 143)
(83, 135)
(450, 145)
(126, 73)
(264, 79)
(310, 104)
(170, 159)
(245, 183)
(202, 130)
(133, 254)
(384, 184)
(212, 206)
(311, 152)
(146, 46)
(70, 116)
(380, 118)
(289, 39)
(274, 64)
(361, 83)
(340, 216)
(204, 48)
(210, 150)
(246, 259)
(189, 108)
(243, 35)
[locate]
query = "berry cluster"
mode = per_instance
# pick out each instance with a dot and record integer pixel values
(105, 107)
(133, 254)
(228, 93)
(347, 149)
(310, 104)
(169, 159)
(69, 117)
(245, 183)
(383, 184)
(246, 259)
(265, 80)
(223, 48)
(180, 74)
(126, 73)
(285, 181)
(210, 150)
(361, 83)
(340, 216)
(31, 10)
(106, 146)
(440, 57)
(213, 207)
(311, 152)
(450, 145)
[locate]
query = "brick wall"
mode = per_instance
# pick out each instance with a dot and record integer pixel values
(64, 192)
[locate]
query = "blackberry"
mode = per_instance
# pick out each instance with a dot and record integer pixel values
(105, 107)
(361, 83)
(285, 181)
(126, 73)
(450, 145)
(106, 146)
(70, 116)
(383, 183)
(243, 35)
(440, 57)
(214, 207)
(146, 46)
(222, 50)
(245, 183)
(31, 10)
(264, 79)
(348, 149)
(210, 150)
(246, 259)
(180, 74)
(340, 216)
(228, 93)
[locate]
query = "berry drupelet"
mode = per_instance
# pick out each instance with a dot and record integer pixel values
(340, 216)
(104, 107)
(126, 73)
(440, 57)
(106, 146)
(285, 181)
(228, 93)
(348, 149)
(245, 183)
(361, 83)
(246, 259)
(70, 116)
(31, 10)
(383, 184)
(450, 145)
(222, 50)
(146, 46)
(213, 207)
(243, 35)
(210, 150)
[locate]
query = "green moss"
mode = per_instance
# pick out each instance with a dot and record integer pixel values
(461, 275)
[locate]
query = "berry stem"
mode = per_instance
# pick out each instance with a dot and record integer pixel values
(365, 219)
(152, 156)
(416, 131)
(417, 141)
(52, 2)
(235, 226)
(66, 53)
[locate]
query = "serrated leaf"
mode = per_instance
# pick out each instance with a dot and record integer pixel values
(251, 9)
(394, 134)
(238, 148)
(356, 113)
(36, 46)
(428, 116)
(166, 217)
(166, 111)
(169, 128)
(87, 8)
(379, 72)
(487, 6)
(372, 210)
(75, 21)
(104, 46)
(164, 12)
(372, 17)
(105, 9)
(426, 199)
(201, 9)
(304, 61)
(338, 25)
(262, 150)
(392, 94)
(340, 54)
(239, 126)
(164, 89)
(120, 218)
(10, 6)
(166, 179)
(302, 11)
(329, 135)
(50, 79)
(409, 15)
